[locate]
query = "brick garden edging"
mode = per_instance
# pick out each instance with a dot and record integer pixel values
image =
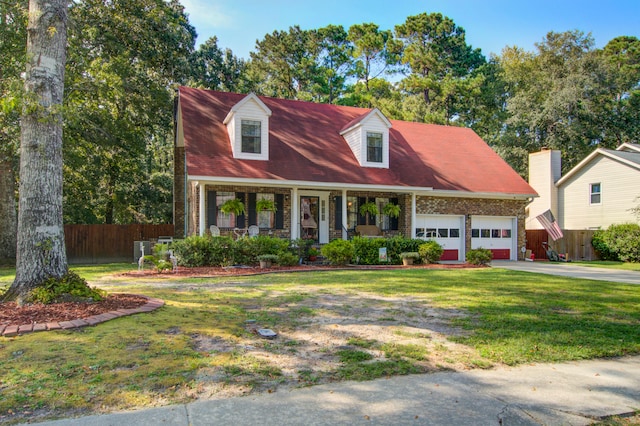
(15, 330)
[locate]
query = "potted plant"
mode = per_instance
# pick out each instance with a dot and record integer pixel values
(369, 209)
(265, 205)
(234, 206)
(313, 254)
(266, 260)
(408, 257)
(391, 210)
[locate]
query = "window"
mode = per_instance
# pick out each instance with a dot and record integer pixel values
(454, 233)
(595, 193)
(352, 212)
(506, 233)
(485, 233)
(475, 233)
(265, 218)
(225, 220)
(374, 147)
(443, 232)
(251, 137)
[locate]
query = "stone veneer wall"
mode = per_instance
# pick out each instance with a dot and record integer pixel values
(479, 207)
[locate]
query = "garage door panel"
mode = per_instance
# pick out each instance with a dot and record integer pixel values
(446, 230)
(495, 234)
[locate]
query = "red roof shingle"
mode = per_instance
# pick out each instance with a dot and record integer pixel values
(305, 145)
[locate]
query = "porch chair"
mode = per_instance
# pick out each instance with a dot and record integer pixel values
(253, 231)
(215, 231)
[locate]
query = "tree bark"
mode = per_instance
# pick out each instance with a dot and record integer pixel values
(8, 230)
(41, 248)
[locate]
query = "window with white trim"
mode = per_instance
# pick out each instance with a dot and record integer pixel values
(251, 131)
(225, 220)
(374, 147)
(595, 193)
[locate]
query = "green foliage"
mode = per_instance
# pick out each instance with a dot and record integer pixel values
(204, 251)
(366, 250)
(623, 241)
(234, 206)
(350, 356)
(410, 255)
(479, 256)
(600, 246)
(391, 210)
(264, 204)
(430, 251)
(286, 258)
(338, 252)
(268, 257)
(69, 287)
(370, 208)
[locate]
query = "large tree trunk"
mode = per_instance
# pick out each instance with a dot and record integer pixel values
(7, 212)
(41, 251)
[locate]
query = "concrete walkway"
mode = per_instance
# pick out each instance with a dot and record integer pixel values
(575, 393)
(571, 270)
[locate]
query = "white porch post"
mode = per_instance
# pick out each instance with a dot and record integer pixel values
(202, 222)
(345, 219)
(295, 214)
(413, 215)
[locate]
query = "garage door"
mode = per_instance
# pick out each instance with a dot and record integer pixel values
(497, 234)
(448, 231)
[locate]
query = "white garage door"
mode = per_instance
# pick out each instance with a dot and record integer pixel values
(497, 234)
(448, 231)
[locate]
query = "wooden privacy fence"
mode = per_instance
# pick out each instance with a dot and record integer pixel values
(575, 242)
(108, 243)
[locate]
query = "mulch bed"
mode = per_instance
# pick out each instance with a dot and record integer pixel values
(12, 314)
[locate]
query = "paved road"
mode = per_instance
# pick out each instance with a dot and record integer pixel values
(571, 270)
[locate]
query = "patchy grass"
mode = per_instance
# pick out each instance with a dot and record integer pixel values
(199, 343)
(625, 266)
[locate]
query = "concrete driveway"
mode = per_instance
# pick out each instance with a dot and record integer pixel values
(571, 270)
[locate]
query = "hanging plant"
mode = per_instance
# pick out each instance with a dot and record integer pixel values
(391, 210)
(370, 208)
(264, 204)
(234, 206)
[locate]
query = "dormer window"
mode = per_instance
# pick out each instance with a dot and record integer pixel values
(368, 138)
(248, 127)
(251, 140)
(374, 147)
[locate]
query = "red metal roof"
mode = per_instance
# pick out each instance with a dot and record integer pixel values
(305, 145)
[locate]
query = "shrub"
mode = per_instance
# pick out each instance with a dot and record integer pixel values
(600, 246)
(366, 249)
(430, 251)
(287, 258)
(204, 251)
(624, 241)
(479, 256)
(339, 252)
(69, 287)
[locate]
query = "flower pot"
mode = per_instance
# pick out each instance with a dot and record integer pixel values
(265, 264)
(407, 261)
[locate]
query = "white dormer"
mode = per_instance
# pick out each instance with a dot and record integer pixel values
(248, 127)
(368, 138)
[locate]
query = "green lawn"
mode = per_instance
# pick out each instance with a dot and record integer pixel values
(158, 358)
(627, 266)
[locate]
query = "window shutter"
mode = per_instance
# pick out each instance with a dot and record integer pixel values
(362, 219)
(241, 219)
(212, 209)
(393, 221)
(251, 209)
(338, 210)
(280, 211)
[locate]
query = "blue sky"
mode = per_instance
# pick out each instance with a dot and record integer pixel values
(489, 24)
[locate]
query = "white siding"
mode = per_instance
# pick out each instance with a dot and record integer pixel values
(250, 110)
(619, 186)
(356, 138)
(544, 172)
(353, 139)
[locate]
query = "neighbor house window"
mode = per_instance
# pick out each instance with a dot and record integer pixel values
(595, 193)
(251, 136)
(374, 147)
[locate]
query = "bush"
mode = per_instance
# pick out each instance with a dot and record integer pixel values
(287, 258)
(430, 251)
(68, 288)
(479, 256)
(624, 241)
(204, 251)
(339, 252)
(366, 250)
(601, 247)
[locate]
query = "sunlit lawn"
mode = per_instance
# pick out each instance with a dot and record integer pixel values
(514, 317)
(626, 266)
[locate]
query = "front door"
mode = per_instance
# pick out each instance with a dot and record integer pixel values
(314, 219)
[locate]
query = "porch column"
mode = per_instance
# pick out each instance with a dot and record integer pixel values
(345, 219)
(202, 220)
(413, 215)
(295, 214)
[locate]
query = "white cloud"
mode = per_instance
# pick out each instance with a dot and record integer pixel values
(206, 14)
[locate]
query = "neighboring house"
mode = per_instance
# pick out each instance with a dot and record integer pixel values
(319, 163)
(601, 190)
